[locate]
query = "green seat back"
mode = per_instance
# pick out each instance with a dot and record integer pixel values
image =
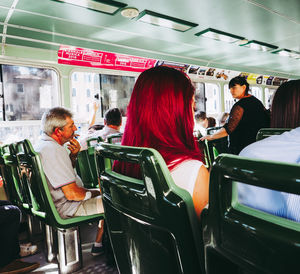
(115, 138)
(8, 182)
(214, 148)
(267, 132)
(151, 222)
(19, 192)
(240, 239)
(212, 130)
(86, 164)
(43, 206)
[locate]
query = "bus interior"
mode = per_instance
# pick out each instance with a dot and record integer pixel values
(73, 53)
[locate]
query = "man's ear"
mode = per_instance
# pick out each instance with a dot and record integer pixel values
(57, 131)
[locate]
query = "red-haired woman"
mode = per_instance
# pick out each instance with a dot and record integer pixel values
(160, 116)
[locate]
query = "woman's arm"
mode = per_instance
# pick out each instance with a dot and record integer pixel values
(219, 134)
(200, 194)
(93, 119)
(235, 117)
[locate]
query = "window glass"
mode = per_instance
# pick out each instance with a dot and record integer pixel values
(109, 91)
(199, 96)
(28, 92)
(269, 95)
(116, 91)
(257, 92)
(212, 95)
(228, 99)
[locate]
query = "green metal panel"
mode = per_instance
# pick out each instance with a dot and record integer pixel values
(6, 3)
(3, 13)
(283, 7)
(33, 44)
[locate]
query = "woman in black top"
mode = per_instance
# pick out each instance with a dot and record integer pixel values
(247, 116)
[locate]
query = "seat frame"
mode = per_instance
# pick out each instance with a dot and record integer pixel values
(239, 238)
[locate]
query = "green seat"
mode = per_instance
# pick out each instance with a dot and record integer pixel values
(69, 247)
(212, 130)
(267, 132)
(213, 148)
(8, 181)
(86, 164)
(151, 222)
(115, 138)
(19, 194)
(240, 239)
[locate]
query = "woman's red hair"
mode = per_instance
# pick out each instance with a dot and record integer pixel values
(160, 116)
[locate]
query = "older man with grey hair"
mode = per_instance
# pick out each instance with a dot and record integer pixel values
(69, 197)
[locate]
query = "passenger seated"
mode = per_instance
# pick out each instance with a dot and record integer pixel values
(68, 195)
(112, 125)
(201, 122)
(10, 217)
(160, 116)
(211, 122)
(285, 113)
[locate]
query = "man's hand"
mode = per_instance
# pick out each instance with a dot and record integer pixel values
(74, 147)
(73, 192)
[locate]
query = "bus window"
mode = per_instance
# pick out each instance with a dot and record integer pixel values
(257, 92)
(228, 99)
(212, 94)
(199, 96)
(116, 91)
(109, 90)
(269, 95)
(26, 93)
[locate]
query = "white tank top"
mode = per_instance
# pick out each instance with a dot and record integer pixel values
(185, 174)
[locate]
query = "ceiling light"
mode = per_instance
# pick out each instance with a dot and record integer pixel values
(165, 21)
(219, 35)
(130, 12)
(105, 6)
(288, 53)
(256, 45)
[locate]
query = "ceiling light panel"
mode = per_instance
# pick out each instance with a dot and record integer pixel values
(105, 6)
(288, 53)
(260, 46)
(165, 21)
(220, 35)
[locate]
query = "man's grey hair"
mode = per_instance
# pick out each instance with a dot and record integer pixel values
(53, 118)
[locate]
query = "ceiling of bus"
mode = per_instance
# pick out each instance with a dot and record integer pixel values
(48, 24)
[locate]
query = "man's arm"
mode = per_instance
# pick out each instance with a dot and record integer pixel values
(73, 192)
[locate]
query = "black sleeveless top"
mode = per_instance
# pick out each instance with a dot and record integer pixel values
(247, 116)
